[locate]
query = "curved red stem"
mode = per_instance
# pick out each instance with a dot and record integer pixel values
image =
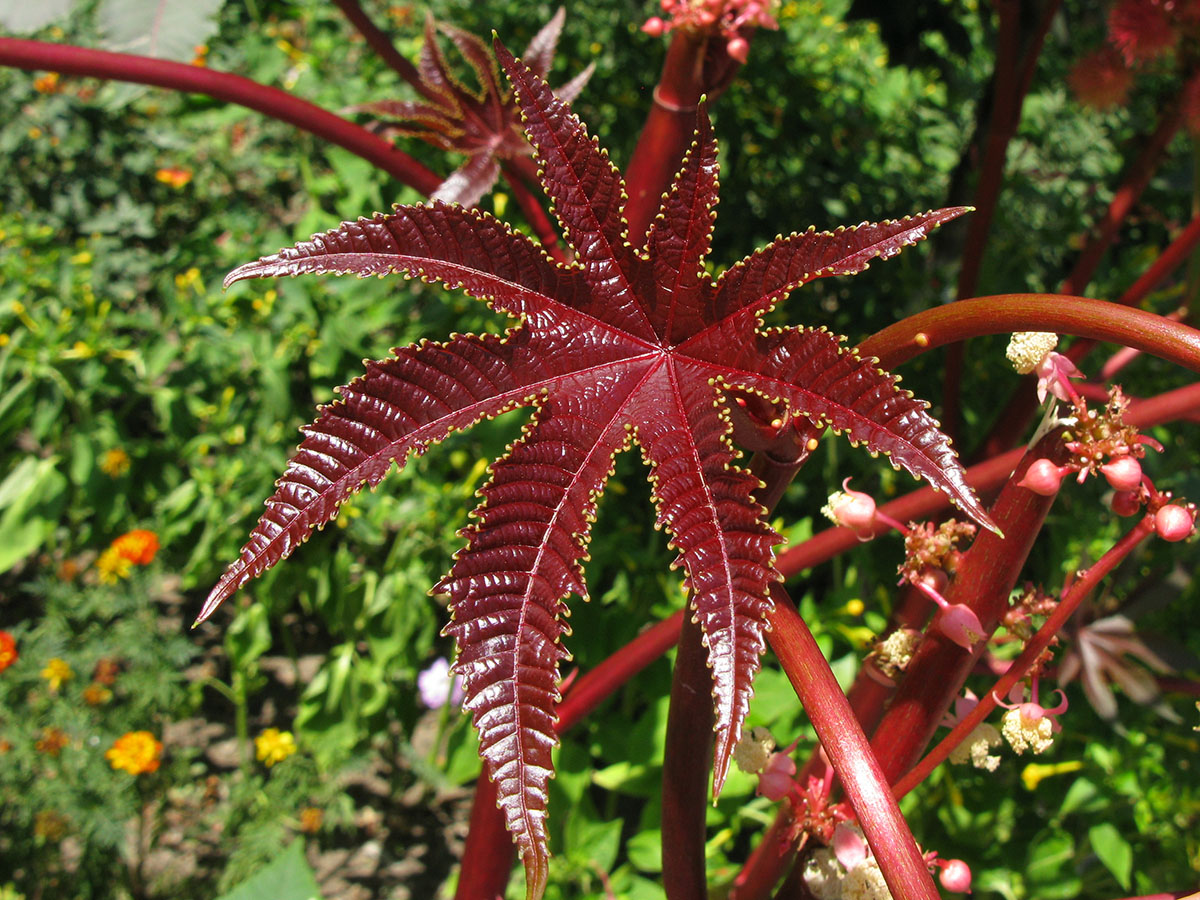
(70, 60)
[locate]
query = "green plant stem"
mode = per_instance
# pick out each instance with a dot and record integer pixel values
(70, 60)
(1033, 650)
(842, 737)
(687, 762)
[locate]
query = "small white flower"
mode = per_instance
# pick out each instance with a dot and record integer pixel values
(865, 882)
(1028, 348)
(1025, 733)
(753, 750)
(824, 875)
(975, 748)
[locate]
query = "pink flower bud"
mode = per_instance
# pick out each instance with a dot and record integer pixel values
(776, 779)
(738, 48)
(1126, 503)
(1042, 477)
(852, 509)
(1124, 473)
(956, 876)
(1173, 522)
(654, 26)
(960, 624)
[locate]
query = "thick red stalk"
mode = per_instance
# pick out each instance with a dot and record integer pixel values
(382, 45)
(1004, 313)
(687, 763)
(842, 737)
(983, 581)
(70, 60)
(1016, 414)
(668, 131)
(488, 854)
(1033, 649)
(1008, 91)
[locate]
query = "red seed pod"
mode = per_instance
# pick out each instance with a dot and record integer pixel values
(1042, 477)
(1126, 503)
(1124, 473)
(1173, 522)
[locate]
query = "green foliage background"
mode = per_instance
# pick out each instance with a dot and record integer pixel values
(116, 336)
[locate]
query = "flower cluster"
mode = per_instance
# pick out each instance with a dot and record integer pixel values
(847, 870)
(728, 18)
(1100, 443)
(134, 548)
(8, 650)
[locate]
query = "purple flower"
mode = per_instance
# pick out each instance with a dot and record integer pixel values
(436, 687)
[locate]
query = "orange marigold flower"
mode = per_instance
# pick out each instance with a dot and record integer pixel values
(137, 752)
(112, 566)
(106, 670)
(138, 546)
(47, 84)
(174, 176)
(5, 746)
(96, 694)
(8, 650)
(56, 672)
(52, 741)
(1101, 79)
(115, 462)
(311, 819)
(274, 746)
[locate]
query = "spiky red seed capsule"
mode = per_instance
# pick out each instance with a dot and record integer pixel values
(1124, 473)
(1173, 522)
(1042, 477)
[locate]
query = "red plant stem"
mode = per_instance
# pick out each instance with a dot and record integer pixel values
(1137, 176)
(668, 131)
(488, 856)
(543, 228)
(1033, 649)
(842, 737)
(1016, 414)
(687, 762)
(277, 104)
(1008, 92)
(382, 45)
(1005, 313)
(984, 578)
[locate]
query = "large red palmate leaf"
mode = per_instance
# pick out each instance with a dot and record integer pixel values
(623, 345)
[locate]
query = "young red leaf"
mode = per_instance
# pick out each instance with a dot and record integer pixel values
(620, 346)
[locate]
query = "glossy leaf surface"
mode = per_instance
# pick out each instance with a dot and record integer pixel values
(624, 345)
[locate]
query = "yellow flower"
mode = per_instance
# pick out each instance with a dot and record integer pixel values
(274, 746)
(136, 752)
(47, 84)
(56, 672)
(112, 566)
(114, 463)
